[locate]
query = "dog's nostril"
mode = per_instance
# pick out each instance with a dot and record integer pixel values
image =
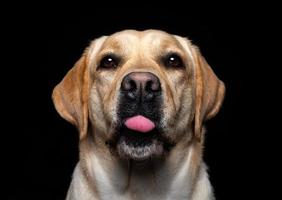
(129, 87)
(128, 84)
(152, 86)
(148, 86)
(133, 85)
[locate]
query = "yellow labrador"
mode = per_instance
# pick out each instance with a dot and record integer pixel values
(139, 100)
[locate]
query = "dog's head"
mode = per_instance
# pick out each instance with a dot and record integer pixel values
(140, 92)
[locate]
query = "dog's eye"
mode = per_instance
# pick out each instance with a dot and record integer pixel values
(173, 60)
(109, 61)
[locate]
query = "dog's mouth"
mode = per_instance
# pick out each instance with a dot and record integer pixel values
(140, 138)
(139, 135)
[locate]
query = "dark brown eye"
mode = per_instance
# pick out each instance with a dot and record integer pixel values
(173, 61)
(109, 61)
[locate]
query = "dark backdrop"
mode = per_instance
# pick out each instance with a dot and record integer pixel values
(47, 44)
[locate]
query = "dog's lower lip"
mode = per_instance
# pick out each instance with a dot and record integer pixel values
(130, 144)
(139, 151)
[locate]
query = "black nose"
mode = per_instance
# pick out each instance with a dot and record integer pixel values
(143, 85)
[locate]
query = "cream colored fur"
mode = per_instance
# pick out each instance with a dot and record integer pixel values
(88, 98)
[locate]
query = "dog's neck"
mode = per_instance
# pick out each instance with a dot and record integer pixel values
(172, 177)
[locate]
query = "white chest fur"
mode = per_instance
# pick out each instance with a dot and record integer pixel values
(162, 183)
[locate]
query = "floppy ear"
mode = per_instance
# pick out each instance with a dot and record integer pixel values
(209, 93)
(70, 96)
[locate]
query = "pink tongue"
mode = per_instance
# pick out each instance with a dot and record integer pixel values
(139, 123)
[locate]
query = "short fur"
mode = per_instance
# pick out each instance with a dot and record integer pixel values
(88, 98)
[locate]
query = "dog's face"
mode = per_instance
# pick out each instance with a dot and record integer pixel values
(142, 92)
(143, 76)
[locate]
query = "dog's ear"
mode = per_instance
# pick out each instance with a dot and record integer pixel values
(70, 96)
(209, 92)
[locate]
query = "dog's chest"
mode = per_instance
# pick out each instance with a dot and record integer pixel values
(149, 186)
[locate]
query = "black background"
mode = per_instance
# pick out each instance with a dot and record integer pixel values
(43, 148)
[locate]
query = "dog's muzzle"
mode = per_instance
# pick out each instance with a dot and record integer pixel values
(139, 131)
(140, 101)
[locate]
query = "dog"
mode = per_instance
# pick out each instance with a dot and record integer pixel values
(139, 100)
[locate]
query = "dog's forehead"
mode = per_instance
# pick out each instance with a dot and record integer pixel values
(131, 40)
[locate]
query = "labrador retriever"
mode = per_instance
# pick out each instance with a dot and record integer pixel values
(139, 100)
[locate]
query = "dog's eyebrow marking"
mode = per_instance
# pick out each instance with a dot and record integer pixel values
(95, 46)
(109, 53)
(185, 43)
(169, 52)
